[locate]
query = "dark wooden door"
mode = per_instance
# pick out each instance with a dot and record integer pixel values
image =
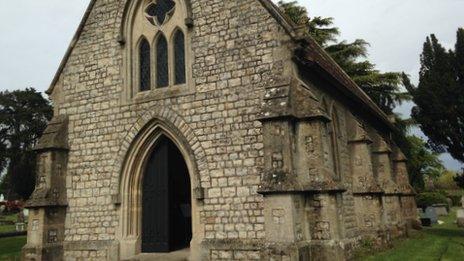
(166, 200)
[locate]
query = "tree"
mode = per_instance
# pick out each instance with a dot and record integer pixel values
(446, 181)
(383, 88)
(23, 117)
(422, 162)
(459, 179)
(439, 97)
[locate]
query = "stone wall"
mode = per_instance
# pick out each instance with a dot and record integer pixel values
(238, 48)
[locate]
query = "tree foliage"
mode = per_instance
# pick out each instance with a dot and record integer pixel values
(439, 97)
(459, 179)
(446, 181)
(383, 88)
(422, 162)
(23, 118)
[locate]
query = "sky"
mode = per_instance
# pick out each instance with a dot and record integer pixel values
(34, 35)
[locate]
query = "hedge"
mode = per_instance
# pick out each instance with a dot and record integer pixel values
(427, 199)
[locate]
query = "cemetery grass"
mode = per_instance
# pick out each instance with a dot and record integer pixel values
(8, 228)
(10, 248)
(440, 242)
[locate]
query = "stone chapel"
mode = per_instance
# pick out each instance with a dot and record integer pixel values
(210, 130)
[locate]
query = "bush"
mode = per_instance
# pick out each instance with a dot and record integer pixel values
(456, 200)
(427, 199)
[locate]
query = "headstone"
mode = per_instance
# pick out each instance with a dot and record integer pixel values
(2, 198)
(462, 201)
(440, 209)
(460, 217)
(20, 227)
(432, 214)
(2, 208)
(426, 222)
(26, 213)
(449, 202)
(420, 212)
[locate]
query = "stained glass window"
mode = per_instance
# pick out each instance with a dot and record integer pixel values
(179, 57)
(162, 70)
(144, 60)
(160, 10)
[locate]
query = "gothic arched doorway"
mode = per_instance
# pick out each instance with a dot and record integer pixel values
(166, 200)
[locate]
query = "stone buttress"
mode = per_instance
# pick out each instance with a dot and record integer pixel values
(407, 197)
(48, 202)
(383, 168)
(302, 197)
(366, 190)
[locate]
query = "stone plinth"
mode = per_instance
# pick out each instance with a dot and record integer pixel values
(460, 218)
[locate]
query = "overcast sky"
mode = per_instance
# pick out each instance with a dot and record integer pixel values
(34, 35)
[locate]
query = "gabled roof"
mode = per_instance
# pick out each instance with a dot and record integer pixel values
(312, 55)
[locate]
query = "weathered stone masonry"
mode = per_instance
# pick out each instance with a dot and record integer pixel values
(288, 159)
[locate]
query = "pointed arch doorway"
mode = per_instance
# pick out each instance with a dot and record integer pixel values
(166, 200)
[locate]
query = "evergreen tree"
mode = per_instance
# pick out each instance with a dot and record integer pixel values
(23, 117)
(383, 88)
(422, 162)
(439, 97)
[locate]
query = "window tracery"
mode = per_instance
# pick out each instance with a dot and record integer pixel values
(156, 54)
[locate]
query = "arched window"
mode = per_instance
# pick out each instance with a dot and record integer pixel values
(179, 57)
(162, 66)
(157, 59)
(144, 65)
(330, 134)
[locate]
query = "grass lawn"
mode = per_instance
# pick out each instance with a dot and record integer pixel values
(440, 242)
(10, 248)
(8, 228)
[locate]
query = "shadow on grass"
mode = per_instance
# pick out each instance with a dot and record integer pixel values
(445, 232)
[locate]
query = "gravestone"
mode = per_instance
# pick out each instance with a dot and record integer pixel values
(2, 198)
(432, 214)
(26, 213)
(440, 209)
(449, 202)
(20, 226)
(420, 212)
(462, 201)
(460, 217)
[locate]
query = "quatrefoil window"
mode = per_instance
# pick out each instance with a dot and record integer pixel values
(158, 12)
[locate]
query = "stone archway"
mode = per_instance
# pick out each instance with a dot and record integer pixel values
(131, 186)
